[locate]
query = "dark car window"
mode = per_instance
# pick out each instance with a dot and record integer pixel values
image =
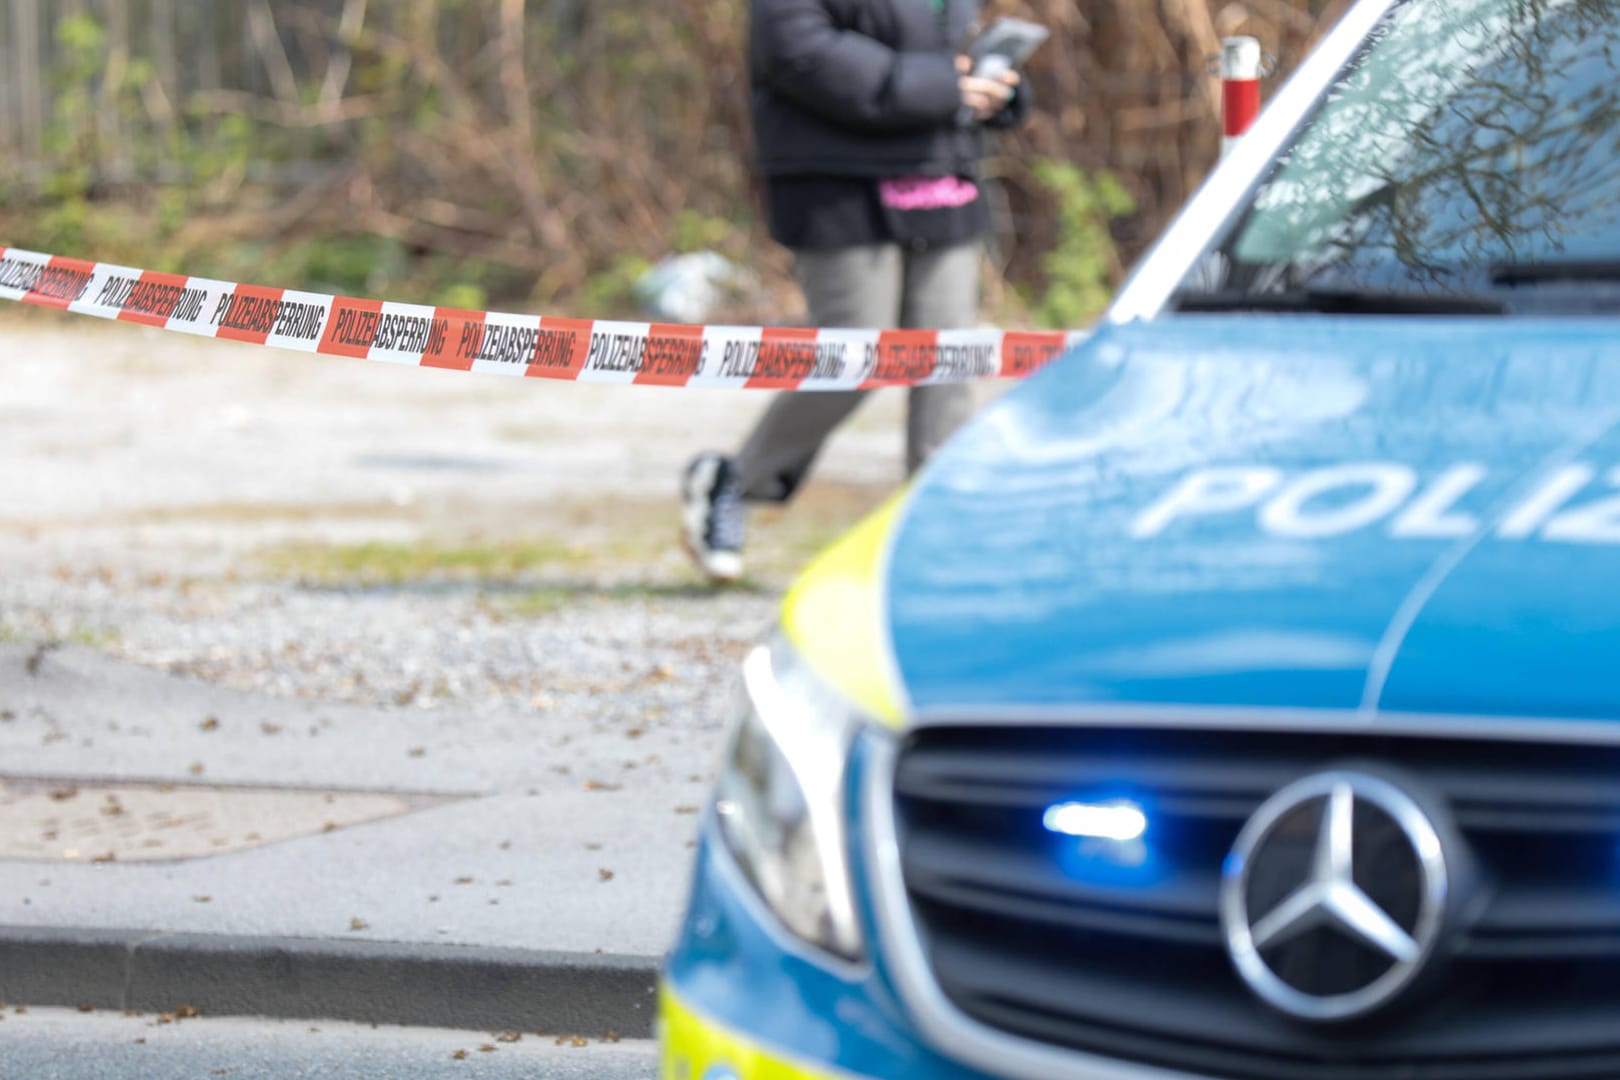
(1473, 149)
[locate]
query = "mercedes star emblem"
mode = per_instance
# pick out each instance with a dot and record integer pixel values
(1333, 895)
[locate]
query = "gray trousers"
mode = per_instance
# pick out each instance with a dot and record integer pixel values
(878, 286)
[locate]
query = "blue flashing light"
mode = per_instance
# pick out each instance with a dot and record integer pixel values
(1119, 820)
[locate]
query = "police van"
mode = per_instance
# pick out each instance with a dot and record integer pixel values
(1240, 696)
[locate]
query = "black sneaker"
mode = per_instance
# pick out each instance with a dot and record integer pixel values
(713, 517)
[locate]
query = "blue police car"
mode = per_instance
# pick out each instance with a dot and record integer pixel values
(1240, 697)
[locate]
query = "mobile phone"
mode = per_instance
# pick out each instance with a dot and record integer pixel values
(1005, 43)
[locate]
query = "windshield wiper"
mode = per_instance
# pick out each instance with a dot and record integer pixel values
(1328, 301)
(1537, 272)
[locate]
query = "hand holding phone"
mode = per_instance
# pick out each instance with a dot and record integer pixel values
(989, 67)
(1006, 44)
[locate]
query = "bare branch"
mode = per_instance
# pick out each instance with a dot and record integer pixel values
(267, 41)
(337, 71)
(287, 114)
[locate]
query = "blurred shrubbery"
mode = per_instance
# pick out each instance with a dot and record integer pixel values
(466, 152)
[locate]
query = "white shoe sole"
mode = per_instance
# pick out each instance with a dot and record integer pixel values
(718, 565)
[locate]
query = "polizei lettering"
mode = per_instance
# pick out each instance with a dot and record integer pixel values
(355, 327)
(403, 333)
(616, 352)
(555, 348)
(498, 344)
(1026, 357)
(900, 362)
(151, 298)
(676, 356)
(783, 360)
(740, 359)
(18, 275)
(260, 315)
(966, 361)
(59, 283)
(1576, 503)
(363, 329)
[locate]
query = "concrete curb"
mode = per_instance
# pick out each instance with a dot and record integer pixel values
(478, 989)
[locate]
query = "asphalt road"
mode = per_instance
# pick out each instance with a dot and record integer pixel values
(56, 1044)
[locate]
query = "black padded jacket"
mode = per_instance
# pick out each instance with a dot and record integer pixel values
(863, 88)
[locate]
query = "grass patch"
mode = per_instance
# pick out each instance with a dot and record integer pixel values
(377, 563)
(572, 551)
(92, 638)
(552, 597)
(232, 513)
(86, 636)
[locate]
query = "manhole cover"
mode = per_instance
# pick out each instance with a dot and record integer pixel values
(89, 822)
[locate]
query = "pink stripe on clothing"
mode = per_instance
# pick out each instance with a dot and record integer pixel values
(927, 192)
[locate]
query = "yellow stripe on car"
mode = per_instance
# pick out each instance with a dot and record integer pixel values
(834, 616)
(698, 1049)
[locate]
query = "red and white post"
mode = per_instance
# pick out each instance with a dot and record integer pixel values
(1241, 64)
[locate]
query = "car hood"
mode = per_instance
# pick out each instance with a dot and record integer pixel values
(1382, 515)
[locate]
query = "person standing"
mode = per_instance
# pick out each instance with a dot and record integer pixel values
(868, 132)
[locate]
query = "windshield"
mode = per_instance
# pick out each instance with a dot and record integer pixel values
(1472, 150)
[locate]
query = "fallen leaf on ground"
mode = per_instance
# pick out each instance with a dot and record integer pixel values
(509, 1036)
(210, 724)
(605, 874)
(359, 924)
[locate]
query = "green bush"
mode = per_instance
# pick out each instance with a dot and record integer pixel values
(1080, 268)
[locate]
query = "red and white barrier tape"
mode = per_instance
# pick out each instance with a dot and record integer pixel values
(536, 346)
